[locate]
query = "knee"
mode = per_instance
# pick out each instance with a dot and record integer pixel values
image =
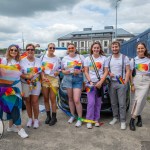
(77, 102)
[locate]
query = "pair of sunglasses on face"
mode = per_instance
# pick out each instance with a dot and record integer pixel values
(13, 50)
(51, 48)
(71, 48)
(30, 49)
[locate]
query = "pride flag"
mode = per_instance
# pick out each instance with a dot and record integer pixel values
(142, 67)
(120, 79)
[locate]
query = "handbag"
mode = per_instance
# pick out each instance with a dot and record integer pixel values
(99, 91)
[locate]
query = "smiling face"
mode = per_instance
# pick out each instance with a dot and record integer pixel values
(13, 52)
(30, 50)
(71, 49)
(96, 49)
(51, 49)
(115, 48)
(141, 50)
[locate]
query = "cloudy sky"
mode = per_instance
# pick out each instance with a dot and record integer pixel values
(43, 21)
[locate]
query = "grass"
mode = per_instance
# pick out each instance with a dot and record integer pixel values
(148, 98)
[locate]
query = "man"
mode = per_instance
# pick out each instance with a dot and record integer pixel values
(119, 66)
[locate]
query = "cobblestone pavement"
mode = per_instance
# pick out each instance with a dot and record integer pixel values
(64, 136)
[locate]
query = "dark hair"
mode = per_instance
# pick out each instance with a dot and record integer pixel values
(115, 42)
(101, 51)
(50, 44)
(146, 50)
(77, 52)
(30, 44)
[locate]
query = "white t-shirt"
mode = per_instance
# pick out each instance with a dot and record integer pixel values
(12, 75)
(51, 65)
(116, 65)
(70, 63)
(30, 67)
(142, 65)
(100, 63)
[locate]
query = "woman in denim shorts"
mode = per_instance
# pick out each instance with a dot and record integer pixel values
(73, 79)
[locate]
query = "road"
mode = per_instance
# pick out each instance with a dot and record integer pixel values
(64, 136)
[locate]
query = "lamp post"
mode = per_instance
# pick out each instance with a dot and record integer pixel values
(22, 42)
(116, 6)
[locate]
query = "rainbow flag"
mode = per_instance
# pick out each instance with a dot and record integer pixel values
(24, 55)
(46, 65)
(142, 67)
(9, 91)
(120, 79)
(78, 66)
(34, 70)
(89, 88)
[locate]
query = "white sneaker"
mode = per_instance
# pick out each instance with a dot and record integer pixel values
(78, 124)
(97, 124)
(71, 120)
(123, 126)
(13, 128)
(22, 133)
(36, 124)
(29, 123)
(113, 121)
(89, 125)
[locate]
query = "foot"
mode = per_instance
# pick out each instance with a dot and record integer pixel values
(48, 119)
(97, 124)
(139, 122)
(132, 125)
(123, 126)
(113, 121)
(13, 128)
(29, 123)
(78, 124)
(71, 120)
(89, 125)
(36, 123)
(22, 133)
(53, 121)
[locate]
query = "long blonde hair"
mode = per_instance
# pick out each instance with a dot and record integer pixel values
(8, 57)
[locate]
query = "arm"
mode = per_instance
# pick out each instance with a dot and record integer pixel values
(127, 73)
(86, 72)
(131, 82)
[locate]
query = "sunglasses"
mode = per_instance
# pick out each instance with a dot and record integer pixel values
(71, 48)
(13, 50)
(30, 49)
(52, 48)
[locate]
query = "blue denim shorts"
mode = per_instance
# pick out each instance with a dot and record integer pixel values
(73, 81)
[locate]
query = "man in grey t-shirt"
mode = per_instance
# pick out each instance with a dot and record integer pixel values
(119, 71)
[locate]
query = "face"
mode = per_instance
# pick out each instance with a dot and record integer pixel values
(71, 49)
(96, 49)
(51, 48)
(13, 51)
(31, 51)
(115, 48)
(141, 50)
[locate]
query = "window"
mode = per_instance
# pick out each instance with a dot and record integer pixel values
(76, 44)
(62, 44)
(105, 43)
(82, 44)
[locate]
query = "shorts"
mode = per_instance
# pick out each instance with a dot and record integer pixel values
(27, 92)
(72, 81)
(53, 82)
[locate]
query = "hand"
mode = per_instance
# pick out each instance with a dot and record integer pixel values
(111, 75)
(66, 72)
(98, 85)
(132, 88)
(56, 73)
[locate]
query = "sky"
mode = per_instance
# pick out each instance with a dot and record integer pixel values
(44, 21)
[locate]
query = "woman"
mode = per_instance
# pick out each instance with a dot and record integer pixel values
(14, 117)
(94, 100)
(31, 68)
(140, 84)
(73, 79)
(50, 66)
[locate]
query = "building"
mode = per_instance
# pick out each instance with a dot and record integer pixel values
(129, 47)
(83, 39)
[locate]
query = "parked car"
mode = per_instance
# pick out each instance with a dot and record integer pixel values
(106, 105)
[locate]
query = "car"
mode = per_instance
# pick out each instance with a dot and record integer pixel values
(106, 105)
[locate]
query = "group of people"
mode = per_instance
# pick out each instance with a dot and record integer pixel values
(43, 74)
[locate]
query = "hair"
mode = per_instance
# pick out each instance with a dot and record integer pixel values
(50, 44)
(8, 57)
(30, 44)
(116, 42)
(101, 50)
(146, 50)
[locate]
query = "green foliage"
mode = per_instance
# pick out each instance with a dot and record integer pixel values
(84, 52)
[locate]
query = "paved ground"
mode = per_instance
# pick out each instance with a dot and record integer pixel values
(63, 136)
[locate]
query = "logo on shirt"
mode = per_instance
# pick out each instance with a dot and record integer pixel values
(142, 67)
(46, 65)
(97, 64)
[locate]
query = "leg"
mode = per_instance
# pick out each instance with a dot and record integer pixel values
(76, 98)
(35, 106)
(71, 102)
(28, 106)
(90, 106)
(97, 108)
